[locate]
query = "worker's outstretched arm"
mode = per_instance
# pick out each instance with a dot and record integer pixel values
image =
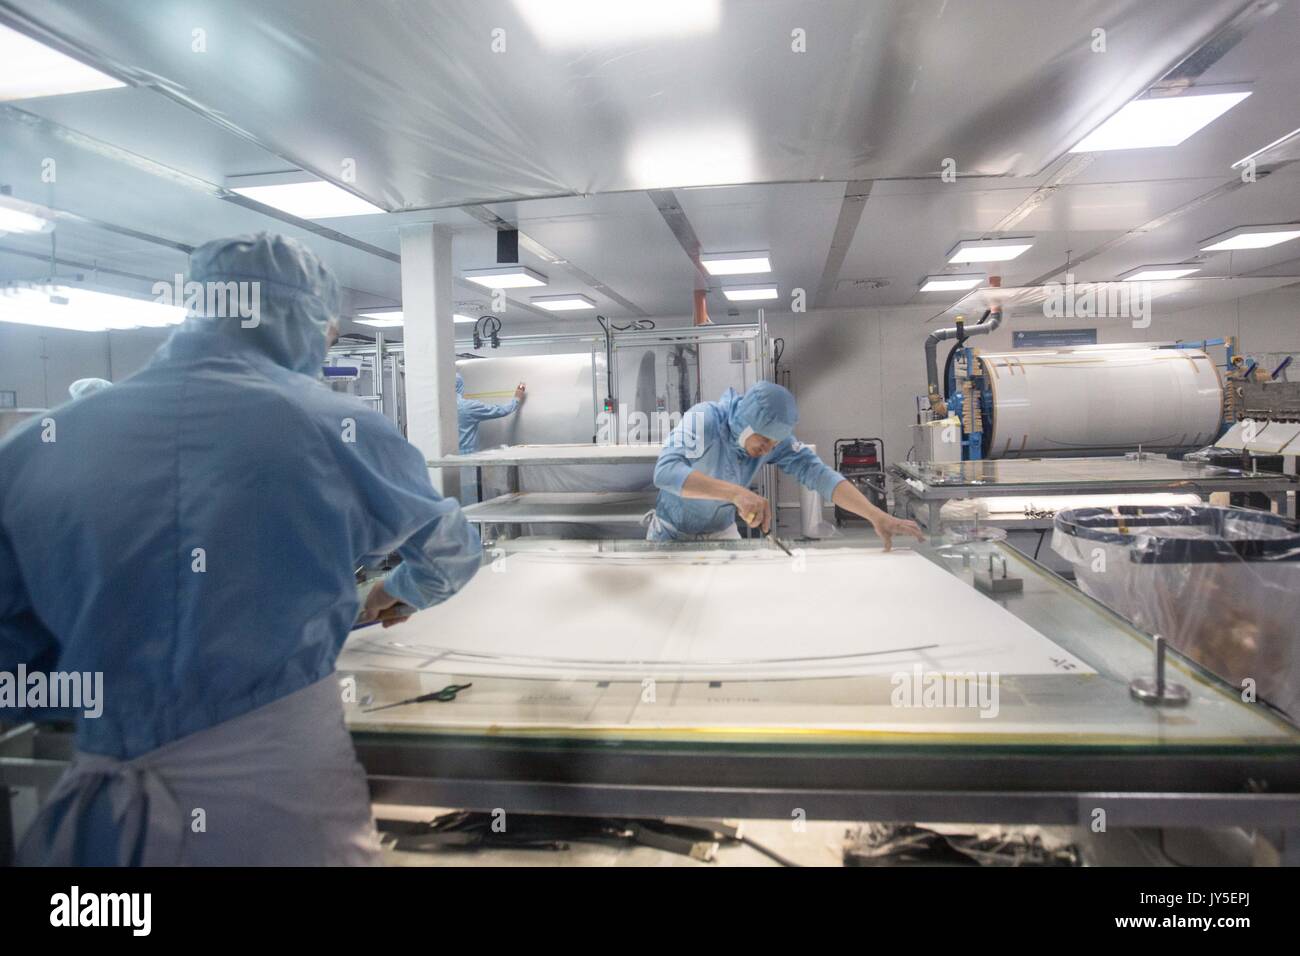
(437, 560)
(802, 463)
(473, 410)
(849, 498)
(399, 510)
(484, 411)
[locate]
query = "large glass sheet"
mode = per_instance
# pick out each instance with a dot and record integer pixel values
(1082, 702)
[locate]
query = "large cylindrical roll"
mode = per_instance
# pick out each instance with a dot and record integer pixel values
(1101, 400)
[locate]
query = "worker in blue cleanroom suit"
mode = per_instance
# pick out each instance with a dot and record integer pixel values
(710, 458)
(88, 386)
(470, 412)
(204, 568)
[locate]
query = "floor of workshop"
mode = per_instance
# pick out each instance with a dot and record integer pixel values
(821, 843)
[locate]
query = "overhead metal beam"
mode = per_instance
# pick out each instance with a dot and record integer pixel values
(74, 264)
(665, 201)
(1229, 187)
(846, 226)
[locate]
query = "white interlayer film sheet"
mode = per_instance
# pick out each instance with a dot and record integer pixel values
(707, 616)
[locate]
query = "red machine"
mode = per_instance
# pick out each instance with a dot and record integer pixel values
(861, 461)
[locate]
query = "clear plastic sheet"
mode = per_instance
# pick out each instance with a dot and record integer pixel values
(1222, 585)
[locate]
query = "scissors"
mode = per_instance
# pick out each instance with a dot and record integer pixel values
(447, 693)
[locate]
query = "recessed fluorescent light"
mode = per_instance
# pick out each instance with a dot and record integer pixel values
(1158, 121)
(749, 293)
(563, 303)
(29, 69)
(1157, 273)
(19, 216)
(311, 200)
(736, 263)
(380, 320)
(989, 250)
(1251, 237)
(680, 156)
(83, 310)
(950, 283)
(392, 320)
(591, 23)
(505, 277)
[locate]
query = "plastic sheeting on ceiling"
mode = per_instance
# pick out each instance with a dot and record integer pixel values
(466, 101)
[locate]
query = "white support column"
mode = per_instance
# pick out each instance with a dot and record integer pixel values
(430, 347)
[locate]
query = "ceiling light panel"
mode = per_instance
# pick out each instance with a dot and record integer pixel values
(563, 303)
(736, 263)
(1158, 121)
(505, 277)
(989, 250)
(750, 293)
(1251, 237)
(950, 283)
(29, 69)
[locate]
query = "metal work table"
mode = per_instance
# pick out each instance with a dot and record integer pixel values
(579, 507)
(931, 484)
(576, 454)
(513, 457)
(833, 747)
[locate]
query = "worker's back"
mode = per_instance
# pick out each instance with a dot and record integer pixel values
(191, 534)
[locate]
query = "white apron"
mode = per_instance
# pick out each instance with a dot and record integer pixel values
(277, 786)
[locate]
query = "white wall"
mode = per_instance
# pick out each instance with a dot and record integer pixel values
(856, 372)
(39, 364)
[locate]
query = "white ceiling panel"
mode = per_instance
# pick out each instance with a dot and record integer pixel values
(1266, 61)
(1275, 198)
(413, 93)
(620, 238)
(474, 100)
(903, 236)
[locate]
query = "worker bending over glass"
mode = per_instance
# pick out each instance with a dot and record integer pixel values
(710, 458)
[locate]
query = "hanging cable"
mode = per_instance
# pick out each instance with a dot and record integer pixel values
(487, 326)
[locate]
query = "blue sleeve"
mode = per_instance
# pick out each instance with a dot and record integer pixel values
(482, 411)
(23, 638)
(400, 511)
(685, 445)
(803, 464)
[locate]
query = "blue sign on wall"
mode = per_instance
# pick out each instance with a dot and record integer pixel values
(1053, 338)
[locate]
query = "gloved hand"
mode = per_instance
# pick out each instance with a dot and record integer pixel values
(887, 526)
(753, 509)
(383, 607)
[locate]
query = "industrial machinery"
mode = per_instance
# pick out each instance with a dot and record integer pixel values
(1265, 409)
(861, 461)
(1068, 402)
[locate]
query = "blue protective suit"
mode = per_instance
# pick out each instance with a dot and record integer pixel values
(470, 412)
(192, 532)
(708, 439)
